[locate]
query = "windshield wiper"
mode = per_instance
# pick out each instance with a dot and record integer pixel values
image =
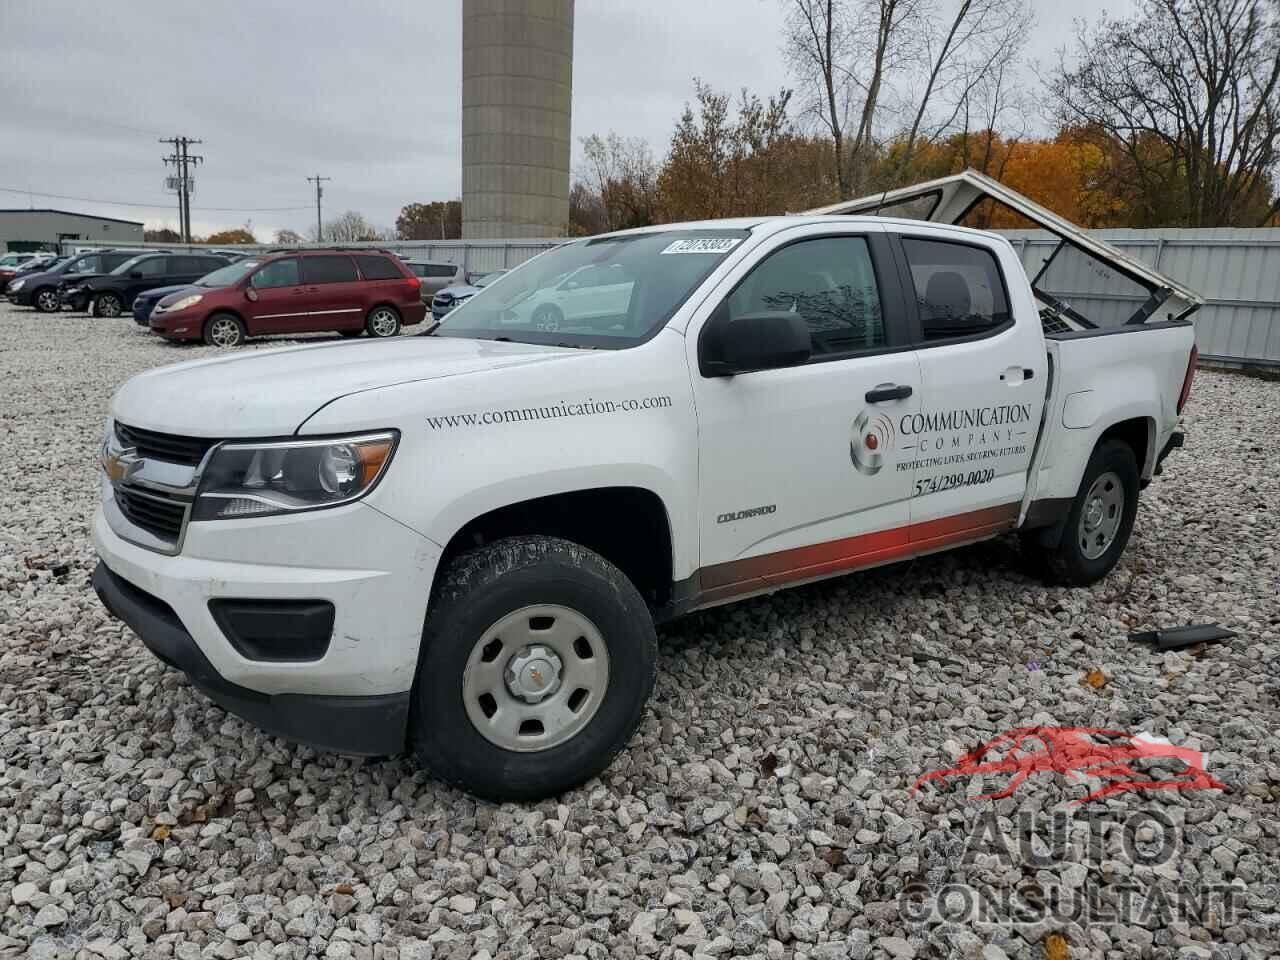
(432, 327)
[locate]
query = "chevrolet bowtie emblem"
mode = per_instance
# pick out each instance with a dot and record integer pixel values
(121, 465)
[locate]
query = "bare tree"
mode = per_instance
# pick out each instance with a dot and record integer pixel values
(350, 227)
(819, 46)
(981, 39)
(1191, 90)
(624, 176)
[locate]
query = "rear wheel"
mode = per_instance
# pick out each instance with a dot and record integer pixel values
(382, 322)
(46, 300)
(223, 330)
(538, 656)
(1099, 523)
(108, 305)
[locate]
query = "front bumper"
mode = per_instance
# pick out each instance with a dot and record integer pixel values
(374, 571)
(372, 726)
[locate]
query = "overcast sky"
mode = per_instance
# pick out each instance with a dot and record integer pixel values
(368, 94)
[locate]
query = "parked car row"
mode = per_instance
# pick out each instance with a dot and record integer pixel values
(221, 300)
(15, 265)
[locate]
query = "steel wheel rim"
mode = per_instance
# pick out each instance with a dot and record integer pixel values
(47, 300)
(109, 306)
(383, 323)
(224, 333)
(1101, 515)
(535, 679)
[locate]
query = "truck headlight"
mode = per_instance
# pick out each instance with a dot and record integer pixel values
(185, 302)
(261, 479)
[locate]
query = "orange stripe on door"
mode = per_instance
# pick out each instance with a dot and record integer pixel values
(725, 580)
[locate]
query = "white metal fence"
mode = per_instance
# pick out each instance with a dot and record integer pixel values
(1237, 271)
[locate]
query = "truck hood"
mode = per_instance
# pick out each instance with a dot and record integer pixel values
(270, 393)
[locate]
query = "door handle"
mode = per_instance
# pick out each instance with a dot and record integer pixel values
(1012, 373)
(890, 391)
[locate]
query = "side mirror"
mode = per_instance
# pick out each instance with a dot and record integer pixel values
(135, 274)
(753, 341)
(250, 294)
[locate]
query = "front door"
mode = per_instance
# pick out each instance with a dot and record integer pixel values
(983, 379)
(799, 471)
(277, 298)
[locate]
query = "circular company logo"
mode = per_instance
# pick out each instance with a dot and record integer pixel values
(871, 439)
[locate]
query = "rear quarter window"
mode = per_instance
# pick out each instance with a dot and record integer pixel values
(441, 270)
(377, 268)
(959, 289)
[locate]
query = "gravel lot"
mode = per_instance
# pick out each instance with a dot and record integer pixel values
(765, 807)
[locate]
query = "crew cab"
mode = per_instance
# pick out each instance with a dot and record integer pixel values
(461, 542)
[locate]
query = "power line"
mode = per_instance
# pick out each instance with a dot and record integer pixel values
(139, 203)
(319, 193)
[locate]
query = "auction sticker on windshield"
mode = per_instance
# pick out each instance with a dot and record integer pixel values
(703, 245)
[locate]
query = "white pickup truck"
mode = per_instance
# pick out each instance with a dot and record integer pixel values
(461, 544)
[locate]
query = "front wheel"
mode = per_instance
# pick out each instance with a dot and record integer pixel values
(108, 305)
(1099, 522)
(537, 659)
(223, 330)
(382, 322)
(46, 300)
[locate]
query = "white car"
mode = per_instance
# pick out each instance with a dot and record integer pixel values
(461, 543)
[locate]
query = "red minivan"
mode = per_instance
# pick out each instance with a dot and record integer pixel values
(300, 291)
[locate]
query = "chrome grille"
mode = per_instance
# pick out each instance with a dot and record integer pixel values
(159, 515)
(164, 446)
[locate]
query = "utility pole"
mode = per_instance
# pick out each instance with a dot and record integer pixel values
(318, 180)
(182, 162)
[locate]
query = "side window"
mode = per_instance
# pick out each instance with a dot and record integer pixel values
(183, 265)
(958, 287)
(328, 269)
(278, 273)
(155, 267)
(830, 282)
(210, 264)
(112, 260)
(441, 269)
(377, 268)
(91, 265)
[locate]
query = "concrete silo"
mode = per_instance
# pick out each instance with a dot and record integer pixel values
(517, 84)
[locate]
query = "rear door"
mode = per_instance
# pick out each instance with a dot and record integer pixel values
(146, 274)
(276, 298)
(983, 374)
(334, 294)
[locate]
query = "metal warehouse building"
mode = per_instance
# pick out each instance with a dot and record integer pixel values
(39, 229)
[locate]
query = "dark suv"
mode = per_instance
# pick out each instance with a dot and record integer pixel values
(301, 291)
(40, 290)
(113, 294)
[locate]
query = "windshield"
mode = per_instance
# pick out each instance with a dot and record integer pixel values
(227, 276)
(611, 291)
(128, 265)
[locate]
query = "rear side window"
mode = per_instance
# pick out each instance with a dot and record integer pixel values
(278, 273)
(209, 264)
(112, 260)
(377, 268)
(958, 287)
(830, 282)
(328, 270)
(186, 265)
(440, 270)
(155, 267)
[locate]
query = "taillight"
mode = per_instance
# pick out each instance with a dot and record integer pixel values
(415, 282)
(1186, 381)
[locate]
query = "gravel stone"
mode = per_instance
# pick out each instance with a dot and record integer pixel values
(765, 807)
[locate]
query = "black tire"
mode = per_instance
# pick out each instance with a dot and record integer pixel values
(478, 590)
(46, 300)
(548, 317)
(224, 330)
(1068, 563)
(382, 321)
(108, 305)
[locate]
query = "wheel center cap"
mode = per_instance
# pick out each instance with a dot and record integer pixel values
(533, 674)
(1093, 513)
